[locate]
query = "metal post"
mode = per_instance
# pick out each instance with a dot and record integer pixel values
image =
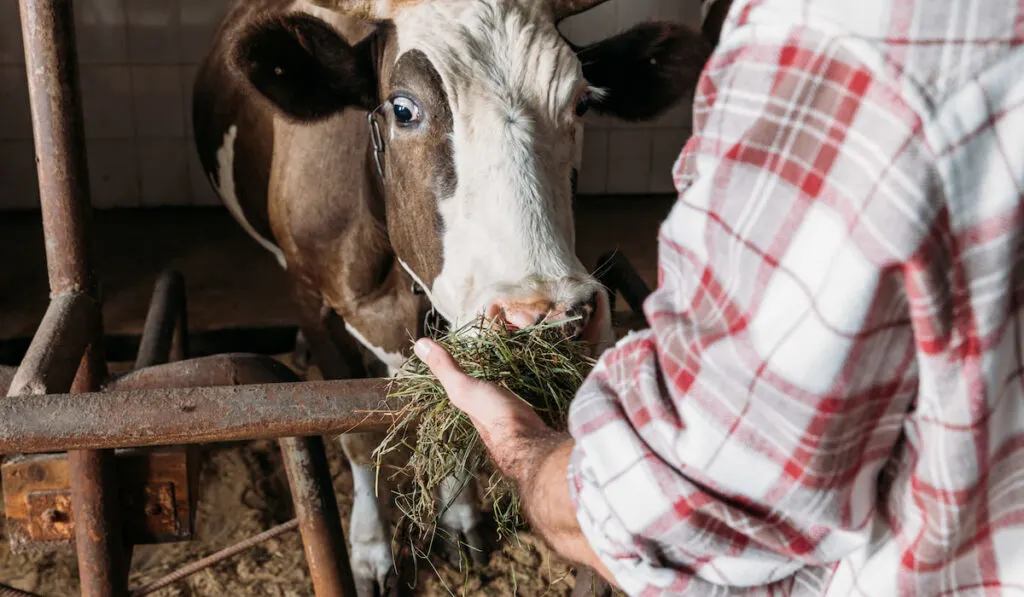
(305, 462)
(56, 352)
(6, 376)
(54, 94)
(305, 458)
(165, 334)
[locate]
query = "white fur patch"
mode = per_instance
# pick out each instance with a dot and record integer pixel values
(393, 360)
(512, 83)
(226, 191)
(460, 512)
(371, 553)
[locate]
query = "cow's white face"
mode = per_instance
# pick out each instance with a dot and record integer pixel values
(479, 105)
(516, 91)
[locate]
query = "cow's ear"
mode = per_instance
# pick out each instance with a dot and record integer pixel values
(305, 68)
(645, 70)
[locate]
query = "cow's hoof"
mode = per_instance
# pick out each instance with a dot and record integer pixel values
(366, 587)
(373, 570)
(462, 532)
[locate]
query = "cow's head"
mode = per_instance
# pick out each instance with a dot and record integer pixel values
(478, 104)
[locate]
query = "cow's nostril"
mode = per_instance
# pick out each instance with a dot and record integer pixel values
(571, 321)
(581, 314)
(584, 309)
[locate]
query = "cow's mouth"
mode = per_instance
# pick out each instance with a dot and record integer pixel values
(584, 322)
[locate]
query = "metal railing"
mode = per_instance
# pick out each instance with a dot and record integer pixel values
(61, 398)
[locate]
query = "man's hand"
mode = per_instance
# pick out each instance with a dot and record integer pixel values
(526, 451)
(504, 421)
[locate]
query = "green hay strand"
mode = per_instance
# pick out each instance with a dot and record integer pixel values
(537, 364)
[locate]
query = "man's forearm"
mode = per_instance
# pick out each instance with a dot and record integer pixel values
(540, 474)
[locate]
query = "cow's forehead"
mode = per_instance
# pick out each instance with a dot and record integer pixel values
(509, 49)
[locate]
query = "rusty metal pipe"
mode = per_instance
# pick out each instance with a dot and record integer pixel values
(305, 459)
(53, 86)
(57, 127)
(6, 375)
(305, 462)
(102, 557)
(124, 419)
(205, 372)
(165, 333)
(53, 358)
(617, 274)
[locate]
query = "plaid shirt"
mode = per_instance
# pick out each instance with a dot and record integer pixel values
(829, 400)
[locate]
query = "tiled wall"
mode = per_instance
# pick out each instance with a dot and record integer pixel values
(138, 59)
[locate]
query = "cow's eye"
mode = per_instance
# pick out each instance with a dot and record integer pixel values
(406, 111)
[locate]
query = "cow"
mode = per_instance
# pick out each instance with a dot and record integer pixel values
(412, 164)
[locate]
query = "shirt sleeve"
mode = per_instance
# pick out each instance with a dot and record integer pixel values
(738, 442)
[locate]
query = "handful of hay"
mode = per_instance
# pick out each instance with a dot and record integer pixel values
(537, 364)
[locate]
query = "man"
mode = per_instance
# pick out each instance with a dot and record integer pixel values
(829, 400)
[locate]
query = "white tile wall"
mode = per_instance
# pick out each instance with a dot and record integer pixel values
(138, 58)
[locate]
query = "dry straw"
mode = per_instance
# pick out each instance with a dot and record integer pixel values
(537, 364)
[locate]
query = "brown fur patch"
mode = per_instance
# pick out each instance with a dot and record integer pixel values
(420, 168)
(305, 68)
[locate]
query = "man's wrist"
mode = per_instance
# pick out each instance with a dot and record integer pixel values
(529, 457)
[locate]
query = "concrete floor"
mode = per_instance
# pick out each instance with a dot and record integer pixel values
(234, 286)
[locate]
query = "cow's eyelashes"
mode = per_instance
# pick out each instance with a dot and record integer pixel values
(406, 111)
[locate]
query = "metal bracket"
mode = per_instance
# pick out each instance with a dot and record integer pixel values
(376, 138)
(157, 495)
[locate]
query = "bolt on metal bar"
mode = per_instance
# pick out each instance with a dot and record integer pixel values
(58, 130)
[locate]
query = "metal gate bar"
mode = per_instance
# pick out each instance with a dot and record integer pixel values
(316, 508)
(66, 353)
(124, 419)
(52, 67)
(54, 403)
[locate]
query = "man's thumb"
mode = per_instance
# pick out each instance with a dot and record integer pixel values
(443, 366)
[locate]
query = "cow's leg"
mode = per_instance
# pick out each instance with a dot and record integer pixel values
(461, 520)
(338, 357)
(373, 563)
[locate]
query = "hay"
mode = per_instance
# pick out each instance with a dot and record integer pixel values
(537, 364)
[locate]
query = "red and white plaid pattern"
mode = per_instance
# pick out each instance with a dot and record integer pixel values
(830, 399)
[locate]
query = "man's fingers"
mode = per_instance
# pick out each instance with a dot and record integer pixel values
(444, 367)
